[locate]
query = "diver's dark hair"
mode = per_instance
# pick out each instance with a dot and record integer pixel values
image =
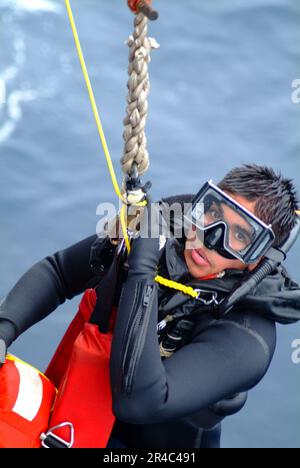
(275, 196)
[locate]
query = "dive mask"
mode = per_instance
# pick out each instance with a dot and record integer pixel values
(227, 227)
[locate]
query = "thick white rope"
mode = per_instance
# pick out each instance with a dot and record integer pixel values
(135, 149)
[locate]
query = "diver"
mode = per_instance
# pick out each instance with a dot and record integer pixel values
(180, 365)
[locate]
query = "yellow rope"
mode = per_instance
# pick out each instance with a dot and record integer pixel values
(93, 102)
(124, 227)
(99, 124)
(179, 287)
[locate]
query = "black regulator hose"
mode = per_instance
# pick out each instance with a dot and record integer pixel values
(264, 269)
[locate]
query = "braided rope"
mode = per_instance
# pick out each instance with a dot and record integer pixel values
(135, 148)
(178, 286)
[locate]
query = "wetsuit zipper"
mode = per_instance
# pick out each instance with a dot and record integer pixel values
(135, 338)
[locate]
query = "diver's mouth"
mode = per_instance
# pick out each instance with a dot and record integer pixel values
(199, 257)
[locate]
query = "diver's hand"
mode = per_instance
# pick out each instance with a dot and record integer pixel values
(155, 222)
(148, 245)
(2, 352)
(7, 336)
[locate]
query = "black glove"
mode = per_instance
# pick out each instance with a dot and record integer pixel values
(2, 352)
(7, 336)
(153, 233)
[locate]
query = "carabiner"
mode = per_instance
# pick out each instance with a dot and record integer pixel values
(207, 302)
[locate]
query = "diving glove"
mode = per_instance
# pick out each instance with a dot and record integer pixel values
(2, 352)
(7, 336)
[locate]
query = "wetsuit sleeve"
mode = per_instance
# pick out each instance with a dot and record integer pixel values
(47, 284)
(226, 359)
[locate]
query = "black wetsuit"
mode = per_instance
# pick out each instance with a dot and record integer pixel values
(162, 403)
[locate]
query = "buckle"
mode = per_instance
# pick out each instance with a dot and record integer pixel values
(51, 440)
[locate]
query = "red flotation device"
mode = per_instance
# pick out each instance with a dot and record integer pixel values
(26, 399)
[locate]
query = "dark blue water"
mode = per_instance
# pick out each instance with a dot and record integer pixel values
(221, 96)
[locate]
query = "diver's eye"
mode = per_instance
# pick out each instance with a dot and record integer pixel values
(242, 238)
(214, 213)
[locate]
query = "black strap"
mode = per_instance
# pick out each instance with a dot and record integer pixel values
(106, 291)
(53, 442)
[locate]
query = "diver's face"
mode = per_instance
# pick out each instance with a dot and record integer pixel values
(203, 262)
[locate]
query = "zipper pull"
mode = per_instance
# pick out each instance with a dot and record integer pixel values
(147, 295)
